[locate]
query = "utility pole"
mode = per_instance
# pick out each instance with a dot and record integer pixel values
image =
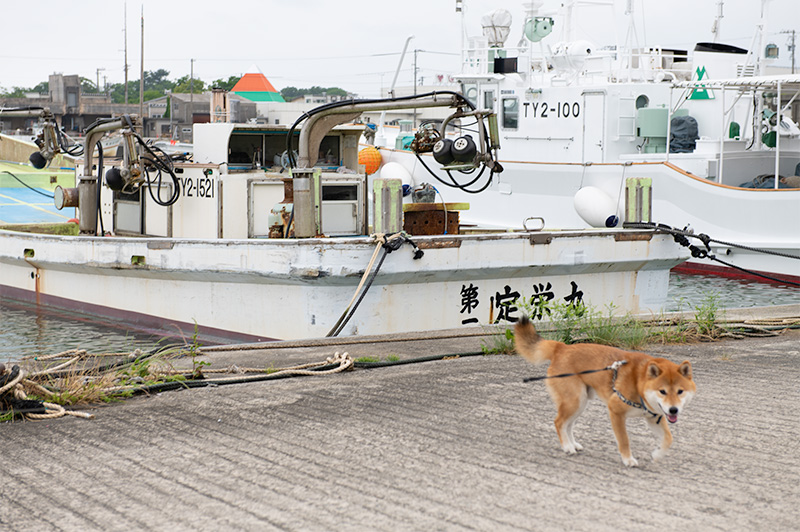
(191, 92)
(125, 32)
(141, 77)
(98, 78)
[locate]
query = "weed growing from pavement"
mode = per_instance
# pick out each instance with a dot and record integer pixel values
(501, 343)
(707, 315)
(575, 322)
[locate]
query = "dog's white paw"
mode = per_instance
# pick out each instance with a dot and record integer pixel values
(569, 449)
(658, 454)
(630, 461)
(578, 446)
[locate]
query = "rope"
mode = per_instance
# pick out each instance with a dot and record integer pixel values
(682, 238)
(52, 410)
(389, 244)
(340, 362)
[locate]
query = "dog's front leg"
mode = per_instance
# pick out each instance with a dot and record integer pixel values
(621, 433)
(660, 428)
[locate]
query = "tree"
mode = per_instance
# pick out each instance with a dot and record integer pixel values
(225, 84)
(157, 80)
(42, 88)
(88, 85)
(185, 85)
(16, 92)
(290, 93)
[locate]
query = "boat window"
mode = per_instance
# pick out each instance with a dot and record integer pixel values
(244, 151)
(470, 90)
(329, 154)
(339, 192)
(642, 101)
(510, 113)
(488, 100)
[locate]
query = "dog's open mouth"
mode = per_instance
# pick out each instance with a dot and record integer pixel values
(672, 418)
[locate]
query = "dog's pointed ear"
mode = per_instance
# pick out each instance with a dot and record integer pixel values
(685, 369)
(653, 371)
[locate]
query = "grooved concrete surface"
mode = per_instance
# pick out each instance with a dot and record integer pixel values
(451, 445)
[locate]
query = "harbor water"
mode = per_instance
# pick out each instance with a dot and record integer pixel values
(27, 330)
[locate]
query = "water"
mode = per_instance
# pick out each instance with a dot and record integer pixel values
(26, 330)
(688, 291)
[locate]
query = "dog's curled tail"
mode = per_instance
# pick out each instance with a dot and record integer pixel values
(530, 345)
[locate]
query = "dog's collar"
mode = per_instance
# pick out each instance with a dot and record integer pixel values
(643, 406)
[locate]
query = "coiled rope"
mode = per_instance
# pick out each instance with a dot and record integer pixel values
(16, 385)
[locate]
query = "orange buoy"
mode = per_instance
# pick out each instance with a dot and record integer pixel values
(370, 157)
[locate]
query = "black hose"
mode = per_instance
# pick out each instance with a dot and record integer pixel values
(345, 103)
(337, 328)
(99, 148)
(202, 383)
(457, 185)
(27, 185)
(388, 247)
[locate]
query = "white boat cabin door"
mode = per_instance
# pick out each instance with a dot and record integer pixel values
(594, 126)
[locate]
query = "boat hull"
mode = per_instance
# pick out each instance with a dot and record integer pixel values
(762, 222)
(294, 289)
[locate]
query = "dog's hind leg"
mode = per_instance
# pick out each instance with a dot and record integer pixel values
(571, 401)
(660, 429)
(570, 424)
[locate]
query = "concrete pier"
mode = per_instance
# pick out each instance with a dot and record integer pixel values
(457, 444)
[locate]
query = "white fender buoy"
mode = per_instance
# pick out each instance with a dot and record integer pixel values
(596, 207)
(395, 170)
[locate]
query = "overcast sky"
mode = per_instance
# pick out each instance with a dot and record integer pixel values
(353, 44)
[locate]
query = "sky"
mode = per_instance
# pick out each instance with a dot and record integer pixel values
(352, 44)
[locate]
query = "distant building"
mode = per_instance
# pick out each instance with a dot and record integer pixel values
(255, 86)
(73, 108)
(319, 99)
(173, 115)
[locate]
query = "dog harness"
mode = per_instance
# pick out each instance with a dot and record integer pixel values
(614, 367)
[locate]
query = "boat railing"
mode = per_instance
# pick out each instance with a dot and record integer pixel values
(652, 64)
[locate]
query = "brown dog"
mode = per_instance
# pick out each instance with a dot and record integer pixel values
(640, 386)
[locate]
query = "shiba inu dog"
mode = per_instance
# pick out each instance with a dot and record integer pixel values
(629, 383)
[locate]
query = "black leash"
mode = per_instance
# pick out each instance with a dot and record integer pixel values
(613, 367)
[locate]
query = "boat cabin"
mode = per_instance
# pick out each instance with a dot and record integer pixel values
(237, 177)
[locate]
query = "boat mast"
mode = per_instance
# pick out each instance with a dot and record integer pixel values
(715, 27)
(381, 132)
(631, 39)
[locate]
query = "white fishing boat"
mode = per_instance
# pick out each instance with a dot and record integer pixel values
(245, 251)
(701, 141)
